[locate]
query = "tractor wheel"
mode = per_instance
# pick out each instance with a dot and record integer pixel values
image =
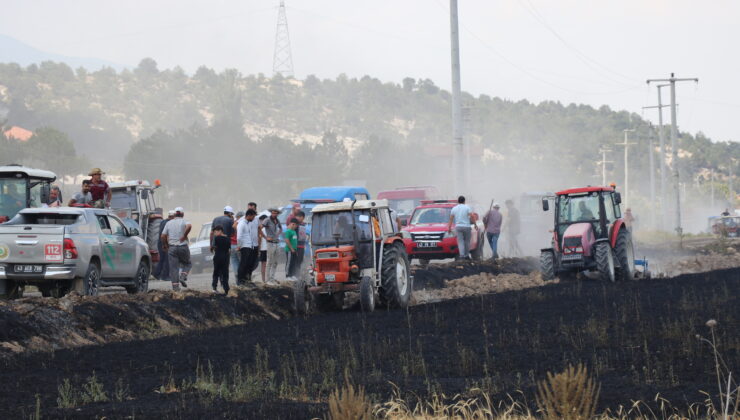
(367, 295)
(152, 232)
(604, 261)
(625, 254)
(301, 297)
(547, 265)
(395, 281)
(141, 281)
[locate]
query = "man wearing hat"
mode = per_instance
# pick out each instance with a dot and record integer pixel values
(175, 240)
(99, 189)
(272, 230)
(492, 220)
(226, 221)
(162, 270)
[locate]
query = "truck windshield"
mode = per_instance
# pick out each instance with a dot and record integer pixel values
(431, 215)
(325, 225)
(123, 199)
(45, 219)
(578, 208)
(12, 196)
(285, 212)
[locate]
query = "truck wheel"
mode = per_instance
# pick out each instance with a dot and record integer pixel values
(604, 261)
(141, 281)
(547, 265)
(395, 280)
(367, 295)
(152, 233)
(301, 297)
(625, 254)
(88, 285)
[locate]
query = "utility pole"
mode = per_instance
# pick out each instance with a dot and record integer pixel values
(603, 163)
(661, 140)
(652, 179)
(711, 185)
(626, 145)
(674, 149)
(730, 172)
(457, 126)
(282, 58)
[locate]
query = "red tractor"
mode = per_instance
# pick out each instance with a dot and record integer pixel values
(357, 248)
(590, 235)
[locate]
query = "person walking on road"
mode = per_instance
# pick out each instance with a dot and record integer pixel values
(462, 217)
(222, 246)
(247, 243)
(513, 228)
(291, 248)
(492, 220)
(175, 238)
(162, 270)
(272, 230)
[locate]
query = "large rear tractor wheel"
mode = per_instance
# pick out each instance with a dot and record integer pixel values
(625, 254)
(301, 297)
(395, 280)
(367, 294)
(141, 281)
(152, 232)
(547, 265)
(88, 285)
(604, 261)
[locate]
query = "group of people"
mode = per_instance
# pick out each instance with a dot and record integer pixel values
(464, 221)
(94, 192)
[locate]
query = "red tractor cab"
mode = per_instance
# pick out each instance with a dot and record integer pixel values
(426, 237)
(356, 249)
(589, 234)
(404, 200)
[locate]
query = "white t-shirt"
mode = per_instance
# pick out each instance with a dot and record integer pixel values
(175, 229)
(461, 215)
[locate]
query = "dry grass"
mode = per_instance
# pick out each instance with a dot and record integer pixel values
(350, 403)
(569, 395)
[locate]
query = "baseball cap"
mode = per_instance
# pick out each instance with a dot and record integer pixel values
(171, 213)
(497, 205)
(179, 210)
(228, 209)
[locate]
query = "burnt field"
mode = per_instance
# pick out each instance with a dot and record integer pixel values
(638, 339)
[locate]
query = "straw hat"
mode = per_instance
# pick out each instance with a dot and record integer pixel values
(96, 171)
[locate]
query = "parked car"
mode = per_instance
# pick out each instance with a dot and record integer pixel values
(70, 248)
(426, 236)
(200, 250)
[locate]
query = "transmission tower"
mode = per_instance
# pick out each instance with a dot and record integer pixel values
(282, 59)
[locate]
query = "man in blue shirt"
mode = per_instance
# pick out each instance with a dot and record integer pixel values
(462, 216)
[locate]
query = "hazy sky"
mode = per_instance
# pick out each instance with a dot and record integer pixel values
(584, 51)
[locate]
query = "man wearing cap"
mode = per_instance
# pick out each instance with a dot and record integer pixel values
(162, 270)
(272, 230)
(226, 221)
(247, 243)
(492, 220)
(175, 240)
(99, 189)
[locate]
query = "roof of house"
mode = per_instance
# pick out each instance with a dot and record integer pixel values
(18, 133)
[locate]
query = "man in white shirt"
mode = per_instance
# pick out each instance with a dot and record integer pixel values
(174, 241)
(462, 216)
(247, 243)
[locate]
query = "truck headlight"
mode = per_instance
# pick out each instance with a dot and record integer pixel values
(405, 234)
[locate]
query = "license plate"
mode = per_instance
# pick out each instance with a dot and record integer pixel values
(53, 252)
(427, 244)
(329, 277)
(28, 269)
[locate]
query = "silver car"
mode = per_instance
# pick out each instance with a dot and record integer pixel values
(69, 248)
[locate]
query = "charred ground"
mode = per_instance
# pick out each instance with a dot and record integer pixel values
(638, 339)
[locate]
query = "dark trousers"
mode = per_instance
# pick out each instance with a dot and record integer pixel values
(292, 264)
(246, 265)
(221, 273)
(162, 270)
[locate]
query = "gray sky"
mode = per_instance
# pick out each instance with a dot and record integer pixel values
(584, 51)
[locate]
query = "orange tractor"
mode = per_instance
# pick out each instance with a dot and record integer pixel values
(357, 248)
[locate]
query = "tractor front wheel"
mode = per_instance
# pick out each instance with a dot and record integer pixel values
(625, 254)
(604, 256)
(547, 265)
(301, 297)
(367, 294)
(395, 280)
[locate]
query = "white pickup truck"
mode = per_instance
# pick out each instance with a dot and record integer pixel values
(69, 248)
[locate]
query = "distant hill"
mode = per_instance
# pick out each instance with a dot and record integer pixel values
(15, 51)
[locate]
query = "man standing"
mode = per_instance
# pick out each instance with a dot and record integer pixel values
(99, 189)
(252, 206)
(462, 216)
(226, 222)
(291, 248)
(162, 270)
(302, 240)
(629, 219)
(272, 230)
(175, 238)
(235, 255)
(83, 196)
(513, 229)
(247, 243)
(492, 221)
